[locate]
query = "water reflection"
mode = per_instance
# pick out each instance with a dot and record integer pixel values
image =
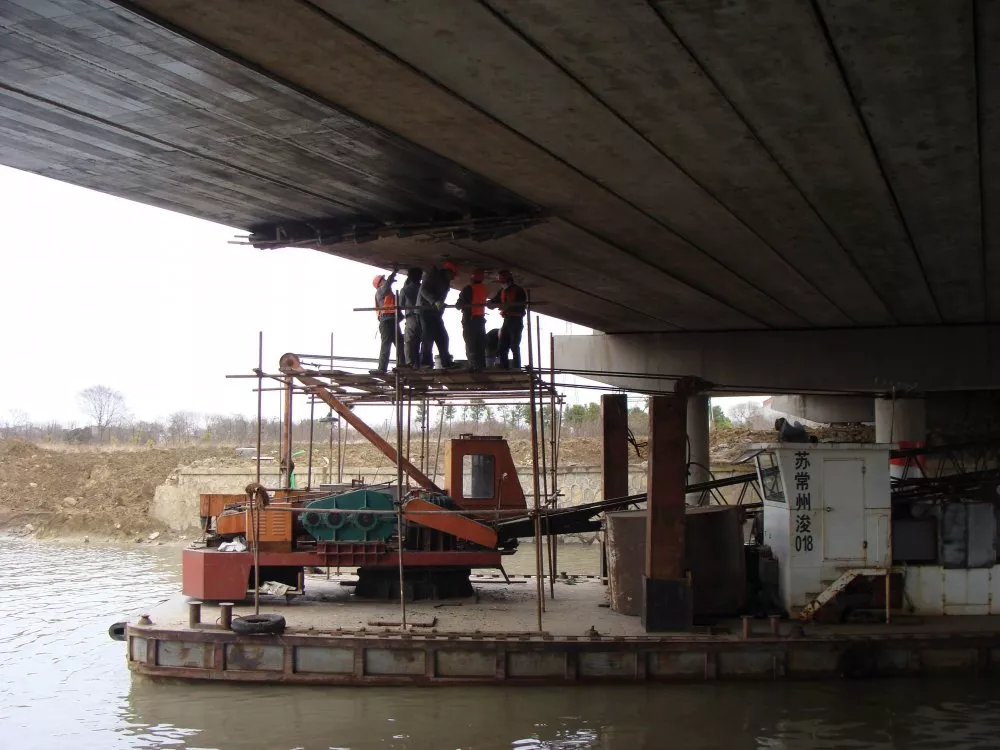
(63, 683)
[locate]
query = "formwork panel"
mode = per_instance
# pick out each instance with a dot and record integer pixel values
(746, 663)
(536, 664)
(388, 661)
(137, 649)
(245, 656)
(894, 661)
(950, 660)
(667, 664)
(324, 660)
(607, 664)
(184, 654)
(812, 662)
(465, 663)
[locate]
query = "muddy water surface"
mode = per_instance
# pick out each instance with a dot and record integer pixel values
(64, 684)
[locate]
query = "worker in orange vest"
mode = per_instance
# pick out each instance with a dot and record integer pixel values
(512, 302)
(472, 302)
(388, 325)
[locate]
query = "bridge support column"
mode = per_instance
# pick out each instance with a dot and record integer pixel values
(614, 456)
(666, 601)
(902, 421)
(614, 445)
(698, 408)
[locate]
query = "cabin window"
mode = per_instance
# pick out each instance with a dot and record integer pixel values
(478, 471)
(769, 478)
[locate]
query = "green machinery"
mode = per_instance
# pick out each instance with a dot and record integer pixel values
(348, 517)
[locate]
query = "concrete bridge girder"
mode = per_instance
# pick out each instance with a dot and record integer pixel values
(845, 361)
(686, 192)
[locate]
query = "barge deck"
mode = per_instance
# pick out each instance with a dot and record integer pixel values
(332, 638)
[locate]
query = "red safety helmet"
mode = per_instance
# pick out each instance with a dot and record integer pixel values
(478, 275)
(377, 281)
(451, 266)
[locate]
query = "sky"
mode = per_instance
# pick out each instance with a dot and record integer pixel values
(161, 307)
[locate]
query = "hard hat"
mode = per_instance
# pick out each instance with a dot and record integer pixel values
(478, 275)
(450, 265)
(377, 281)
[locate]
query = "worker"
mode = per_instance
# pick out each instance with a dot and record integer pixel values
(434, 290)
(408, 300)
(512, 302)
(472, 303)
(388, 326)
(492, 347)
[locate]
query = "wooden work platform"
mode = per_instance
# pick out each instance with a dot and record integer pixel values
(331, 638)
(433, 384)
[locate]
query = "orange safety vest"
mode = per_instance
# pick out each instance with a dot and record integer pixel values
(508, 296)
(479, 298)
(388, 304)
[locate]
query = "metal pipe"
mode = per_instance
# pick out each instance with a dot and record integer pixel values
(329, 473)
(341, 449)
(375, 512)
(540, 585)
(253, 521)
(260, 395)
(545, 470)
(409, 421)
(437, 453)
(286, 435)
(399, 485)
(551, 502)
(309, 470)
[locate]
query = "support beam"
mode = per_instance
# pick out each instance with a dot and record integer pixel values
(667, 601)
(900, 420)
(614, 445)
(290, 365)
(869, 360)
(698, 457)
(825, 409)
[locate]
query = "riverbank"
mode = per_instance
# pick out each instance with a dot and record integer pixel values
(62, 491)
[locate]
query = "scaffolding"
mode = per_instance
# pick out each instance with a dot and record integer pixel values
(343, 384)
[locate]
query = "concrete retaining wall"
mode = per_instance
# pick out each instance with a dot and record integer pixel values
(175, 503)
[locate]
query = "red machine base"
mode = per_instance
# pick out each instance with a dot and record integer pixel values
(211, 575)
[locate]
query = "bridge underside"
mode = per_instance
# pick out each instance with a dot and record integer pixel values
(643, 166)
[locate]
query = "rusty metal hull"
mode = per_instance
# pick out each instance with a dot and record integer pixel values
(354, 658)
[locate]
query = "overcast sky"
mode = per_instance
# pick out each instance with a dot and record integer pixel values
(159, 306)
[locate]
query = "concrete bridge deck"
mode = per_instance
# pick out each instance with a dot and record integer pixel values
(704, 165)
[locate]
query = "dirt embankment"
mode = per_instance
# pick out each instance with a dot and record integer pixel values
(67, 491)
(71, 491)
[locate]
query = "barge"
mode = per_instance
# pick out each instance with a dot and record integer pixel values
(839, 570)
(491, 639)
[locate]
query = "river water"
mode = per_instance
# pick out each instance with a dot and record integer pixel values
(64, 684)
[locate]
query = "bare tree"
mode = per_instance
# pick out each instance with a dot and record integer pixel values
(104, 405)
(17, 423)
(743, 413)
(182, 425)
